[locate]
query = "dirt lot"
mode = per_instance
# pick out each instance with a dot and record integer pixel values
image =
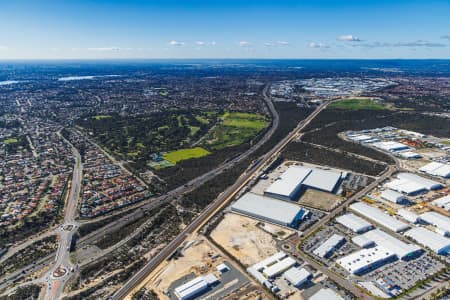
(320, 200)
(243, 239)
(198, 257)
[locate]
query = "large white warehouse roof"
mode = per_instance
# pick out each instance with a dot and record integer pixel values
(408, 215)
(279, 267)
(191, 288)
(438, 220)
(378, 216)
(354, 223)
(276, 211)
(427, 183)
(292, 180)
(360, 138)
(289, 182)
(362, 241)
(437, 169)
(360, 261)
(430, 239)
(391, 146)
(405, 186)
(392, 196)
(443, 202)
(296, 276)
(324, 180)
(411, 184)
(400, 248)
(257, 269)
(329, 245)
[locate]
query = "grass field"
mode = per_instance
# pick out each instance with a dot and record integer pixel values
(10, 141)
(235, 129)
(446, 142)
(101, 117)
(246, 120)
(357, 104)
(184, 154)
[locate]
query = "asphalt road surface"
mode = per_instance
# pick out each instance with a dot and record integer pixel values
(54, 283)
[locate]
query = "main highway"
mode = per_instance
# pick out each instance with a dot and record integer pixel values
(211, 209)
(61, 269)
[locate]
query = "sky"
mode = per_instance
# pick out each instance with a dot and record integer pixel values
(137, 29)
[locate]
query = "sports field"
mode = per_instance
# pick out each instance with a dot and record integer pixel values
(246, 120)
(183, 154)
(236, 128)
(357, 104)
(10, 141)
(101, 117)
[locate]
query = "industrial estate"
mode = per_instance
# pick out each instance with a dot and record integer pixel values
(205, 185)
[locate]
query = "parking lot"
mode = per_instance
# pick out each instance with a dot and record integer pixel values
(406, 274)
(320, 237)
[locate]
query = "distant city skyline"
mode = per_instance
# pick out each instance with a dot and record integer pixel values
(137, 29)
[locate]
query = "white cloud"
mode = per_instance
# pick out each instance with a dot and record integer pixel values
(318, 45)
(349, 38)
(245, 44)
(105, 49)
(446, 37)
(176, 43)
(201, 43)
(3, 48)
(419, 43)
(277, 44)
(412, 44)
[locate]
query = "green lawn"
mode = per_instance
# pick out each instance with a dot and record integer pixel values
(446, 142)
(10, 141)
(246, 120)
(101, 117)
(357, 104)
(184, 154)
(202, 120)
(236, 128)
(194, 130)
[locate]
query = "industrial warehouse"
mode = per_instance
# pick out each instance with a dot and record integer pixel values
(430, 239)
(443, 202)
(366, 260)
(354, 223)
(393, 196)
(437, 169)
(195, 287)
(270, 210)
(327, 248)
(401, 249)
(412, 184)
(442, 223)
(279, 266)
(379, 217)
(299, 178)
(378, 246)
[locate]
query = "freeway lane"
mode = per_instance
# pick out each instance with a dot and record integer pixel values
(60, 272)
(219, 203)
